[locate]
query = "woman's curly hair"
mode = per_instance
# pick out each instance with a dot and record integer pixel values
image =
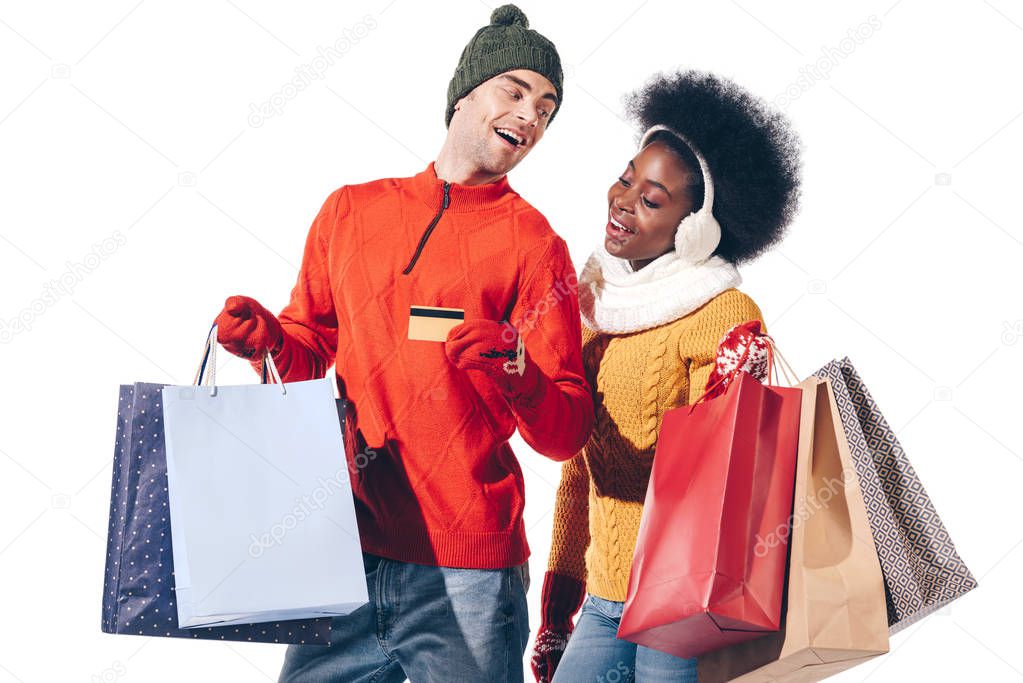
(751, 150)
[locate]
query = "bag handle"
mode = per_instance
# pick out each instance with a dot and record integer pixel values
(774, 356)
(209, 360)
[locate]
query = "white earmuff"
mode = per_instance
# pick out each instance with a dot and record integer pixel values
(699, 233)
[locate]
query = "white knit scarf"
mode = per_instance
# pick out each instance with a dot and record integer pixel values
(615, 299)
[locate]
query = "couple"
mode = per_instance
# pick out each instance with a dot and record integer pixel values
(440, 505)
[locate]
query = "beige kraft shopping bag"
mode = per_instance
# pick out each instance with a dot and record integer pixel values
(835, 615)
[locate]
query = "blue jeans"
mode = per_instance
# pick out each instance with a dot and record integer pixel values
(426, 623)
(596, 655)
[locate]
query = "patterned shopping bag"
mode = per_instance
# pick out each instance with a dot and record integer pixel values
(922, 569)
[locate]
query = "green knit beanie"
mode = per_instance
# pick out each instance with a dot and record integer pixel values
(506, 44)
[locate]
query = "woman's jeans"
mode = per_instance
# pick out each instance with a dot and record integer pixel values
(427, 623)
(596, 655)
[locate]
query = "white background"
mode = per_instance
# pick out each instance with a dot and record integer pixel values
(133, 119)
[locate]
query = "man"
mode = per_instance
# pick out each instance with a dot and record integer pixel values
(439, 494)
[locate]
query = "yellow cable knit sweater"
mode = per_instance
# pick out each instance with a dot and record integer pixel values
(635, 378)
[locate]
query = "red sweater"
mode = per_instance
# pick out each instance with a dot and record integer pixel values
(434, 478)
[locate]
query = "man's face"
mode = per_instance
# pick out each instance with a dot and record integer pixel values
(500, 121)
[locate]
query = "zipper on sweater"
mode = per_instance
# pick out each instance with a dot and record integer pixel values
(429, 229)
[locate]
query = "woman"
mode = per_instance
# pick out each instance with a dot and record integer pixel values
(714, 184)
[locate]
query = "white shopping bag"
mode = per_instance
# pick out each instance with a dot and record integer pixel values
(263, 522)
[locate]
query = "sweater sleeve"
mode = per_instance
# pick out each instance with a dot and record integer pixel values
(309, 321)
(546, 314)
(698, 345)
(571, 534)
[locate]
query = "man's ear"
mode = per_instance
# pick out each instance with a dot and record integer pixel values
(468, 97)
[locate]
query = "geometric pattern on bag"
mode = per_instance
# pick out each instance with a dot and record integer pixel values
(922, 568)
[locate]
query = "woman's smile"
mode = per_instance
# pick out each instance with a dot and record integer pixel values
(618, 231)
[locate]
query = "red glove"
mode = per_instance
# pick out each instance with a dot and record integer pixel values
(554, 418)
(742, 348)
(495, 349)
(246, 329)
(561, 598)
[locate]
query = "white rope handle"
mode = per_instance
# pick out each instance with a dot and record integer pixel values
(268, 362)
(778, 360)
(208, 361)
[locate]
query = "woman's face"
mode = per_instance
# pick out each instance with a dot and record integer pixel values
(646, 204)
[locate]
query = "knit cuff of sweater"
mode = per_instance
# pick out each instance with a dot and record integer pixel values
(561, 598)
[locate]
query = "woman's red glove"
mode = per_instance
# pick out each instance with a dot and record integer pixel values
(246, 329)
(560, 600)
(743, 348)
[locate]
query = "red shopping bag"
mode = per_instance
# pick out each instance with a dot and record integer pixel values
(709, 566)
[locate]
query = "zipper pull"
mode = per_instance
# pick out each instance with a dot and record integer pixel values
(429, 229)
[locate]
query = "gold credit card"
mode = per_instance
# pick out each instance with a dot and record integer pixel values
(429, 323)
